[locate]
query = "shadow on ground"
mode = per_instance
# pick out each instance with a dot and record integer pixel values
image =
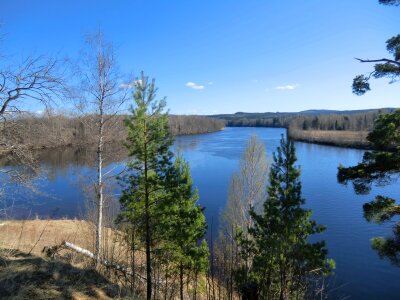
(24, 276)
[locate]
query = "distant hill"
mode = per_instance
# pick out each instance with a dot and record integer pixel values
(342, 112)
(316, 119)
(310, 112)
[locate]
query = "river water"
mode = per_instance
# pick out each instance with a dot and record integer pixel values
(360, 273)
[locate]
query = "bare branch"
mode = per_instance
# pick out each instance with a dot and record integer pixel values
(378, 60)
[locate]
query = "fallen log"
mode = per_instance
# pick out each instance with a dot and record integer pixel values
(51, 251)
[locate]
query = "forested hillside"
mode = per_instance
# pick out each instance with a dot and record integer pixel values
(356, 120)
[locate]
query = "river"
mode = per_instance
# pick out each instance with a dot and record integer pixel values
(360, 273)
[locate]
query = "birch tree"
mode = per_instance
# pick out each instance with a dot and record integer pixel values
(247, 188)
(247, 191)
(103, 97)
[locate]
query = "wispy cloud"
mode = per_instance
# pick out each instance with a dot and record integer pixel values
(195, 86)
(287, 87)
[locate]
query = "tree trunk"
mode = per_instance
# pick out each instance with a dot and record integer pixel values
(181, 280)
(147, 220)
(100, 197)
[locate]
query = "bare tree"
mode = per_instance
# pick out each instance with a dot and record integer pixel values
(246, 191)
(103, 97)
(247, 188)
(36, 80)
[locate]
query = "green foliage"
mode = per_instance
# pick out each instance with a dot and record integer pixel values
(185, 223)
(386, 133)
(385, 67)
(389, 2)
(393, 46)
(388, 247)
(283, 258)
(360, 85)
(380, 209)
(148, 143)
(378, 167)
(145, 194)
(158, 198)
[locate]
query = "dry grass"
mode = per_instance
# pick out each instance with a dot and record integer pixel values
(70, 275)
(33, 235)
(357, 139)
(26, 273)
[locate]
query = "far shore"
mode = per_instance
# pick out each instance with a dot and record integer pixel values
(339, 138)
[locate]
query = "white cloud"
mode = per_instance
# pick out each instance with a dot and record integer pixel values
(287, 87)
(210, 83)
(125, 85)
(195, 86)
(130, 85)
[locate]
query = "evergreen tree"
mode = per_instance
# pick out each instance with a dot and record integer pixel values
(144, 195)
(186, 224)
(283, 258)
(384, 67)
(380, 167)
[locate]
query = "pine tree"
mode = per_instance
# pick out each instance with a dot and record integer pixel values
(144, 194)
(283, 258)
(380, 167)
(384, 67)
(186, 223)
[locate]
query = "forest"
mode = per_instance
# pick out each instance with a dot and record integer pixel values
(52, 130)
(339, 128)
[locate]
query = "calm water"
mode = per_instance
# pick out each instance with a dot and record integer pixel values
(360, 273)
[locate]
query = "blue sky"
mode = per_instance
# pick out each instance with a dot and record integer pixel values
(224, 56)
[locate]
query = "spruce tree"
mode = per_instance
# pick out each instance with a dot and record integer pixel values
(186, 223)
(283, 258)
(144, 194)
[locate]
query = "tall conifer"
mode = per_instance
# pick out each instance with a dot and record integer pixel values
(186, 223)
(144, 194)
(283, 257)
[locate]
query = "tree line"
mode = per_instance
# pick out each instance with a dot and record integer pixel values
(51, 129)
(359, 121)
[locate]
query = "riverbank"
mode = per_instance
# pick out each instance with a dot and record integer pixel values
(338, 138)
